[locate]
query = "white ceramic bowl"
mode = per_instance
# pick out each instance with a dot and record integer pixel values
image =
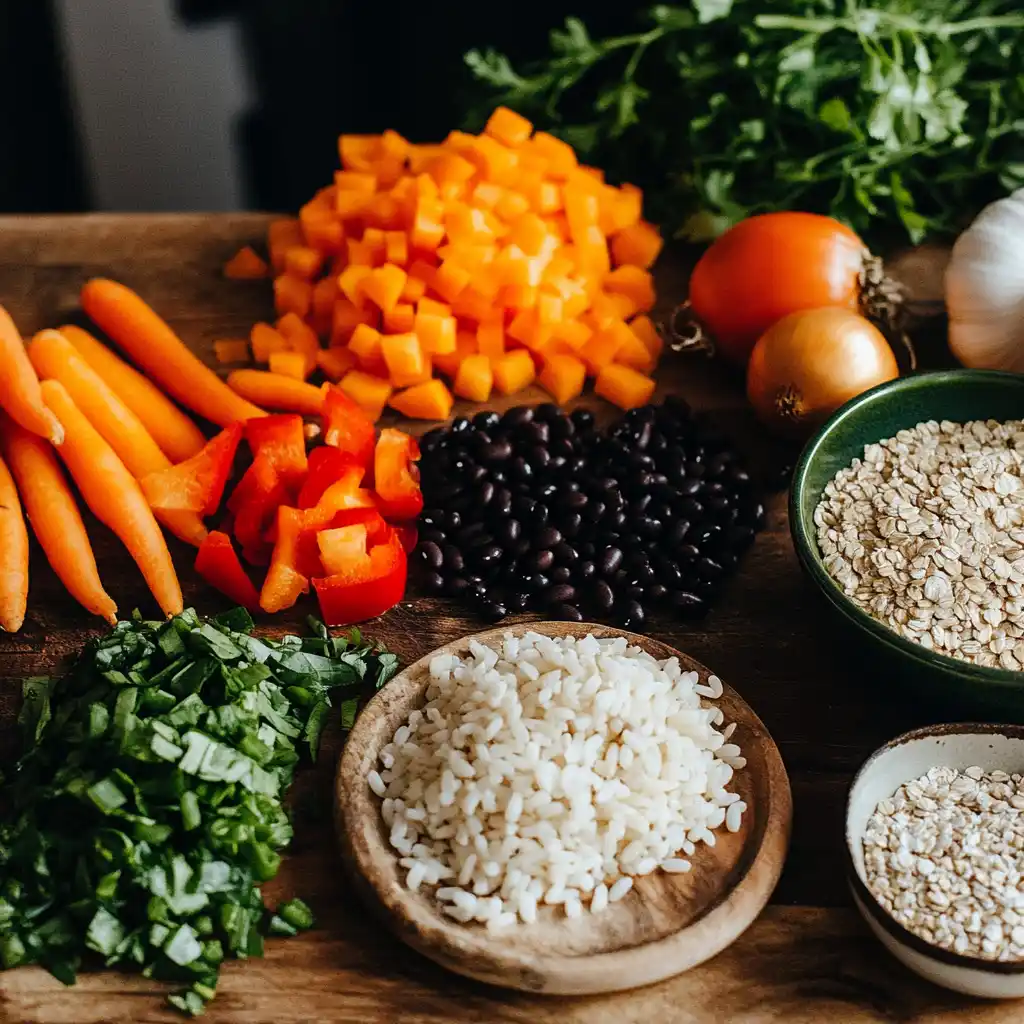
(908, 757)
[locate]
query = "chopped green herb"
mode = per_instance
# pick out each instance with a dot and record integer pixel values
(146, 809)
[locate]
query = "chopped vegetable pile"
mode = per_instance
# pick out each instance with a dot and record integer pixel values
(489, 260)
(148, 806)
(898, 118)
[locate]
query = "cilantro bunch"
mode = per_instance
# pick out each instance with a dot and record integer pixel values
(901, 118)
(148, 806)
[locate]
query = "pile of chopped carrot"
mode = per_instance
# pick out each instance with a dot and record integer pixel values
(477, 265)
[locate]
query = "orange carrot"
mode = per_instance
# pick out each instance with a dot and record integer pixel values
(114, 496)
(54, 357)
(173, 431)
(53, 513)
(161, 353)
(13, 555)
(20, 392)
(276, 391)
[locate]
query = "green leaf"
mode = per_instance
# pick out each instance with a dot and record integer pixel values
(712, 10)
(35, 707)
(183, 947)
(105, 932)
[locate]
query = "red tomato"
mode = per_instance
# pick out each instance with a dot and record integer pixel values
(769, 266)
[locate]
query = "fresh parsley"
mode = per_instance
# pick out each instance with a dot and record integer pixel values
(901, 118)
(147, 808)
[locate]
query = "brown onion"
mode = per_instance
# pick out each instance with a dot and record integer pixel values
(808, 364)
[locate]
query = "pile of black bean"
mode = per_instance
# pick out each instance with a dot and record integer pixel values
(537, 509)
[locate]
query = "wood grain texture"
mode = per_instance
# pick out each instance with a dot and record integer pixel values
(665, 925)
(769, 636)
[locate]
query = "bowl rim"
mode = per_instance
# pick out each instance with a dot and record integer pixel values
(806, 545)
(866, 897)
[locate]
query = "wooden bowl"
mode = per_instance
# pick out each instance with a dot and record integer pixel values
(666, 924)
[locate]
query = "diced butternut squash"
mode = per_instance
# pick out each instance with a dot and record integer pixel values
(432, 307)
(527, 329)
(623, 386)
(638, 245)
(560, 156)
(383, 286)
(246, 265)
(334, 363)
(292, 295)
(436, 333)
(396, 248)
(490, 337)
(370, 393)
(508, 127)
(365, 345)
(351, 282)
(303, 261)
(602, 348)
(401, 319)
(474, 379)
(634, 353)
(231, 350)
(563, 377)
(347, 317)
(282, 234)
(403, 357)
(448, 363)
(644, 329)
(301, 338)
(288, 364)
(450, 279)
(265, 340)
(573, 333)
(634, 282)
(429, 401)
(514, 371)
(414, 290)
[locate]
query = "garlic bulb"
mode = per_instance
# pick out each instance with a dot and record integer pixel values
(985, 289)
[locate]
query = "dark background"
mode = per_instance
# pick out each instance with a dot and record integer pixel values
(320, 67)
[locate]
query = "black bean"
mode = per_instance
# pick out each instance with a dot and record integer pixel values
(689, 487)
(538, 518)
(566, 613)
(430, 554)
(433, 583)
(737, 477)
(560, 574)
(540, 560)
(719, 505)
(657, 592)
(453, 559)
(678, 531)
(688, 552)
(536, 433)
(647, 527)
(632, 615)
(493, 611)
(452, 521)
(432, 536)
(570, 524)
(610, 561)
(518, 416)
(585, 570)
(594, 511)
(485, 493)
(562, 447)
(669, 573)
(603, 597)
(547, 537)
(616, 521)
(433, 517)
(540, 458)
(479, 540)
(688, 604)
(459, 425)
(642, 573)
(546, 411)
(708, 568)
(521, 469)
(510, 531)
(536, 582)
(495, 451)
(521, 547)
(522, 507)
(586, 549)
(690, 508)
(433, 439)
(560, 593)
(456, 586)
(516, 600)
(501, 503)
(707, 536)
(583, 418)
(565, 554)
(488, 556)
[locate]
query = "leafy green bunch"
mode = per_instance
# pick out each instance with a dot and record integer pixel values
(148, 806)
(900, 118)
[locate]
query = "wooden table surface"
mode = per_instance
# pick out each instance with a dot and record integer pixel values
(808, 958)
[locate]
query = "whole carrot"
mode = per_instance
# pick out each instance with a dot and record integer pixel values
(114, 496)
(54, 516)
(19, 393)
(13, 555)
(179, 438)
(150, 341)
(55, 358)
(276, 391)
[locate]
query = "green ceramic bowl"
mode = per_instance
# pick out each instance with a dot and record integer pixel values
(957, 395)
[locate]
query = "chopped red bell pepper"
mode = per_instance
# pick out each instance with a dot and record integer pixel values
(396, 476)
(408, 535)
(285, 582)
(326, 466)
(346, 426)
(368, 581)
(255, 502)
(218, 564)
(197, 484)
(282, 439)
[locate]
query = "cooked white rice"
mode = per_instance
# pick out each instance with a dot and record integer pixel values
(553, 771)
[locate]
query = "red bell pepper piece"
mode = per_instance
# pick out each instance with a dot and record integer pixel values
(347, 427)
(396, 476)
(368, 580)
(282, 440)
(408, 535)
(197, 484)
(285, 582)
(255, 502)
(218, 564)
(326, 466)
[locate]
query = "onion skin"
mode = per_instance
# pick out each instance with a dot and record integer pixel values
(810, 363)
(769, 266)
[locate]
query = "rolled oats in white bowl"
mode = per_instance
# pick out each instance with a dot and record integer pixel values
(925, 533)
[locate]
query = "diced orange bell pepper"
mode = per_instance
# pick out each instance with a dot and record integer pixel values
(370, 393)
(436, 333)
(414, 290)
(334, 363)
(490, 336)
(573, 333)
(508, 127)
(367, 585)
(634, 353)
(401, 319)
(623, 386)
(514, 371)
(301, 338)
(218, 564)
(403, 356)
(383, 286)
(396, 480)
(323, 230)
(428, 401)
(643, 327)
(527, 329)
(246, 265)
(449, 362)
(634, 282)
(347, 317)
(601, 349)
(450, 279)
(303, 261)
(346, 425)
(396, 248)
(292, 295)
(560, 156)
(280, 439)
(351, 282)
(195, 485)
(474, 379)
(637, 245)
(282, 234)
(563, 377)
